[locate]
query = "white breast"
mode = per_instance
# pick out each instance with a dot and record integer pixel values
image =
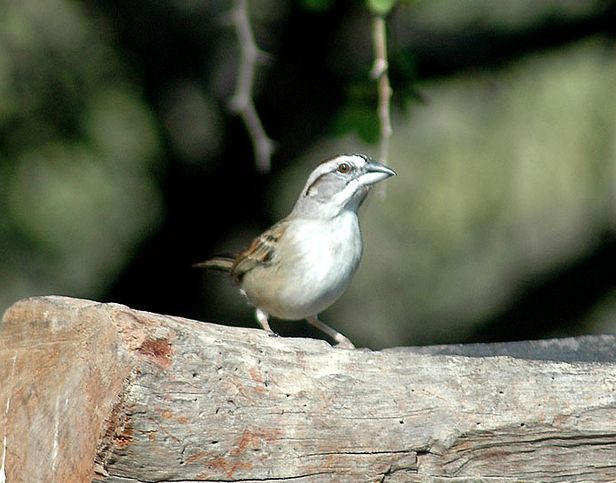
(320, 260)
(329, 252)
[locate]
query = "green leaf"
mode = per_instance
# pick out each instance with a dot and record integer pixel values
(381, 7)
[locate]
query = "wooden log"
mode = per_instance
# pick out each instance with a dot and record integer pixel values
(92, 391)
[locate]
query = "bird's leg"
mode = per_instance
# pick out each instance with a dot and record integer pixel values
(263, 322)
(341, 341)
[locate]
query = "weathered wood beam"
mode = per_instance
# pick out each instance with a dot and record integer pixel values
(100, 391)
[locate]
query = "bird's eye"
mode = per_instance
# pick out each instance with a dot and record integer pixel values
(343, 168)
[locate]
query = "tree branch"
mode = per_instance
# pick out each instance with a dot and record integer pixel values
(242, 102)
(379, 72)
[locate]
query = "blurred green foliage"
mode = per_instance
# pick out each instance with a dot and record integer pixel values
(78, 148)
(120, 165)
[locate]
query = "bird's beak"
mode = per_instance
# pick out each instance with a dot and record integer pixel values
(375, 172)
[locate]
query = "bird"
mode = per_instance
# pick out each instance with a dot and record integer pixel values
(301, 265)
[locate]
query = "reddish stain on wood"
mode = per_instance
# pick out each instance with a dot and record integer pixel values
(166, 414)
(199, 455)
(125, 437)
(256, 375)
(159, 351)
(234, 461)
(229, 469)
(255, 439)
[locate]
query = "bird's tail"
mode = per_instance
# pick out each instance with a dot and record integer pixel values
(221, 263)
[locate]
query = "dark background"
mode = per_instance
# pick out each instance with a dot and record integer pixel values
(121, 164)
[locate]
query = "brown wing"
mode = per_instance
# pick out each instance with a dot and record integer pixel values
(260, 252)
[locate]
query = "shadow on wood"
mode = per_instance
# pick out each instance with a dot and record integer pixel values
(101, 392)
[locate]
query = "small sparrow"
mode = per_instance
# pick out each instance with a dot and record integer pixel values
(303, 264)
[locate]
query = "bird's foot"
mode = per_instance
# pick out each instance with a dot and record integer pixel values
(343, 343)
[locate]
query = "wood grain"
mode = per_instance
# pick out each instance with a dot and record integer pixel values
(103, 392)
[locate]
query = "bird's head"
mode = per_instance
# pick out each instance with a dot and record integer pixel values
(339, 184)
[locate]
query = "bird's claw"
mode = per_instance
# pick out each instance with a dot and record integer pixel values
(343, 343)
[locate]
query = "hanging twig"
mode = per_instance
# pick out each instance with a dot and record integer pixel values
(242, 101)
(380, 74)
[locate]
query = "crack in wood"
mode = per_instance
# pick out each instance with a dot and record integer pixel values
(117, 429)
(362, 453)
(497, 448)
(234, 480)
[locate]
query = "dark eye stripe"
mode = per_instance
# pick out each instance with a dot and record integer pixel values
(309, 189)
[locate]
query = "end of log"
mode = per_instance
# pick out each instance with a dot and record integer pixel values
(93, 391)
